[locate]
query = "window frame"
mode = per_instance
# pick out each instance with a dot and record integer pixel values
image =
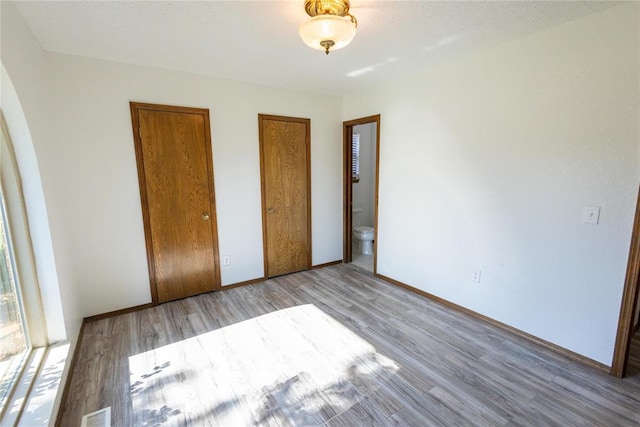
(22, 259)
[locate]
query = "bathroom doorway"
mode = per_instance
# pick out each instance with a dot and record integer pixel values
(361, 148)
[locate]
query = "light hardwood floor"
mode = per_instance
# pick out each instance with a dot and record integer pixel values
(333, 346)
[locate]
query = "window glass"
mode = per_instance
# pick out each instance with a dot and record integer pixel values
(13, 338)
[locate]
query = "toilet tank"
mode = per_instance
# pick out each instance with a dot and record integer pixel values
(356, 217)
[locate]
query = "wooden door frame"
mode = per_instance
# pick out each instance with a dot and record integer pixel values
(307, 123)
(146, 219)
(347, 214)
(629, 301)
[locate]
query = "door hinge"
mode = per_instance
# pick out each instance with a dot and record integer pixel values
(139, 132)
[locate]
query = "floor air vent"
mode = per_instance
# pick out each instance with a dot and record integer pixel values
(101, 418)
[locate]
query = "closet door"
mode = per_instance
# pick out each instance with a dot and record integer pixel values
(286, 193)
(175, 173)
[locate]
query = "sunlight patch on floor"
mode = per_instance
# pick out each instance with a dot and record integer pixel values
(296, 364)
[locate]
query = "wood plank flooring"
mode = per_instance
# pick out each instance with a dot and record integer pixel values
(336, 347)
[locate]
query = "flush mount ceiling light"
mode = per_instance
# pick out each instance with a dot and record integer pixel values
(331, 25)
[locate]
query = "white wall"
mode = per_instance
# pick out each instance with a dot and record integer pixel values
(364, 190)
(487, 162)
(506, 148)
(94, 182)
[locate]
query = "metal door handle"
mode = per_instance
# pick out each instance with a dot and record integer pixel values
(271, 210)
(205, 216)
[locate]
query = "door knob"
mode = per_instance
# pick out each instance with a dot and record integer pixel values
(205, 216)
(271, 210)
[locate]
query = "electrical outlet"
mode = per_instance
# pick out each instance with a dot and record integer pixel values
(476, 276)
(226, 260)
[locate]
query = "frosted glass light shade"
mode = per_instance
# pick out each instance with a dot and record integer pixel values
(321, 28)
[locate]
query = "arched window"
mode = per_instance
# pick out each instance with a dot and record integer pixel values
(21, 318)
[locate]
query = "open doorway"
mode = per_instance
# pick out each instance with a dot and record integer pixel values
(361, 153)
(626, 355)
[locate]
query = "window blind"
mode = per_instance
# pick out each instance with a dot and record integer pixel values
(355, 156)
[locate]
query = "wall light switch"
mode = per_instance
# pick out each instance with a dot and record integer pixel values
(591, 215)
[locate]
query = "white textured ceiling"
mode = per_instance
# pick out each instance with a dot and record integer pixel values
(257, 41)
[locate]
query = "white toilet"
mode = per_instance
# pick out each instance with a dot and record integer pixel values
(363, 236)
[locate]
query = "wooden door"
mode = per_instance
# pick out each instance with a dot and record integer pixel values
(286, 193)
(175, 173)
